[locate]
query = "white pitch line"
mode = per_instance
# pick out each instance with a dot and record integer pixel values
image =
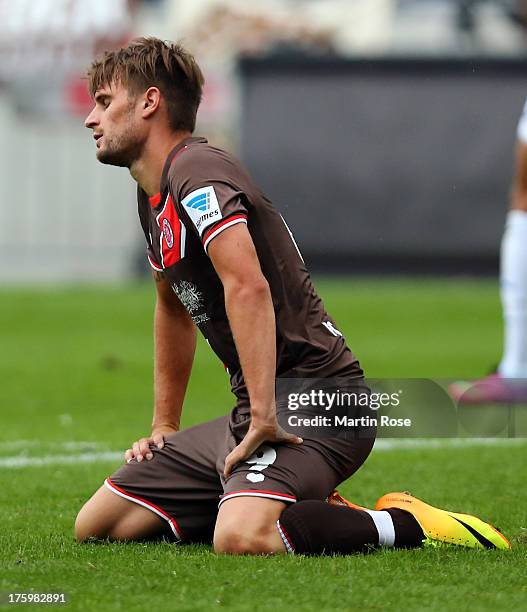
(21, 461)
(388, 444)
(64, 446)
(382, 445)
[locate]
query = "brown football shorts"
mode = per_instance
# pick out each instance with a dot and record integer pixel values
(184, 485)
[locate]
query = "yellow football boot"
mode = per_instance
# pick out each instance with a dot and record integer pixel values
(446, 527)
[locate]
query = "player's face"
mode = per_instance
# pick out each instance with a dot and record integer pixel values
(116, 128)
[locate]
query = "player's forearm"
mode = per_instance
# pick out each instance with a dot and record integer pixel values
(251, 316)
(175, 343)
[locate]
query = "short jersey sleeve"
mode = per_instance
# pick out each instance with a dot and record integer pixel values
(522, 126)
(209, 188)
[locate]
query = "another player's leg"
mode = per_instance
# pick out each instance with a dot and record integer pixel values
(509, 383)
(513, 271)
(513, 283)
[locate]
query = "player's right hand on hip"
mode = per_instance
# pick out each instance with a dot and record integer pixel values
(254, 438)
(141, 449)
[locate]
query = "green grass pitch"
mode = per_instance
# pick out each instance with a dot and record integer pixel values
(76, 377)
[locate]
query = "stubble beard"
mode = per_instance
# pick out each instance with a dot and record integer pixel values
(125, 148)
(122, 150)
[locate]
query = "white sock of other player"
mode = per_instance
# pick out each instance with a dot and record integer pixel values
(513, 279)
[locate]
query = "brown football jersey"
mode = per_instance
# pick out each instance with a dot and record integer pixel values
(205, 190)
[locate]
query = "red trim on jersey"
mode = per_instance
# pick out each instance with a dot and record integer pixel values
(219, 225)
(169, 518)
(155, 199)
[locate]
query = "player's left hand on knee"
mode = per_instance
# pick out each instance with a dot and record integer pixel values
(254, 438)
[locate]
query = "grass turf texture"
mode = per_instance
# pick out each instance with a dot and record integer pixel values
(76, 366)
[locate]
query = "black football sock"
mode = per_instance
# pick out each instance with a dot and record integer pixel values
(408, 533)
(314, 527)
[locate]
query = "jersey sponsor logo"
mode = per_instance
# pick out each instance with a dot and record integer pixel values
(211, 216)
(202, 207)
(168, 233)
(201, 201)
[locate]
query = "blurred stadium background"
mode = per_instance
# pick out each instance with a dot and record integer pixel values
(382, 129)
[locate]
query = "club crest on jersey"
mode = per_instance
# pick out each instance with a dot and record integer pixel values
(168, 233)
(172, 235)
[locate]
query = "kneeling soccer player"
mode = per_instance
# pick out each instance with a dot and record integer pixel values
(225, 261)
